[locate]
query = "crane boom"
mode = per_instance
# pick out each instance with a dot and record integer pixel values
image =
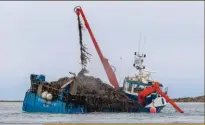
(111, 75)
(155, 88)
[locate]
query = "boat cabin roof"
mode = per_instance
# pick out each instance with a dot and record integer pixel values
(142, 84)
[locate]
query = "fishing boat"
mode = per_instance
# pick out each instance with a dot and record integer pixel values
(132, 86)
(142, 94)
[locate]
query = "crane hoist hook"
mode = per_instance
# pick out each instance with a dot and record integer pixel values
(77, 7)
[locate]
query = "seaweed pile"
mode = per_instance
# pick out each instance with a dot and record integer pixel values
(84, 54)
(90, 91)
(88, 85)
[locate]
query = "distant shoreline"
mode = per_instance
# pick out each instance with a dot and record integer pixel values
(184, 99)
(190, 99)
(10, 101)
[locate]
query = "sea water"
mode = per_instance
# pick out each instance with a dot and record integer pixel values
(10, 112)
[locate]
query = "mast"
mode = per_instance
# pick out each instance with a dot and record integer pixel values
(138, 64)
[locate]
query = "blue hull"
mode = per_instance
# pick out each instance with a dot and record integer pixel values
(34, 103)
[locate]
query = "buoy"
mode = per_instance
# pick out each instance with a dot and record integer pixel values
(44, 94)
(152, 109)
(49, 96)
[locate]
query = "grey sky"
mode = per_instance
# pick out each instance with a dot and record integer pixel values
(42, 38)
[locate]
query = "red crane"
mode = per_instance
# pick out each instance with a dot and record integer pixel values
(111, 75)
(155, 88)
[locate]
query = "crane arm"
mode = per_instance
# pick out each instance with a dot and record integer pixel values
(111, 75)
(155, 88)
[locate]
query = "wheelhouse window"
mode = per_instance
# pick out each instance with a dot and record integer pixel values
(129, 87)
(137, 89)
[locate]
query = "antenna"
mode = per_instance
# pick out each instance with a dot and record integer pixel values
(139, 43)
(144, 44)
